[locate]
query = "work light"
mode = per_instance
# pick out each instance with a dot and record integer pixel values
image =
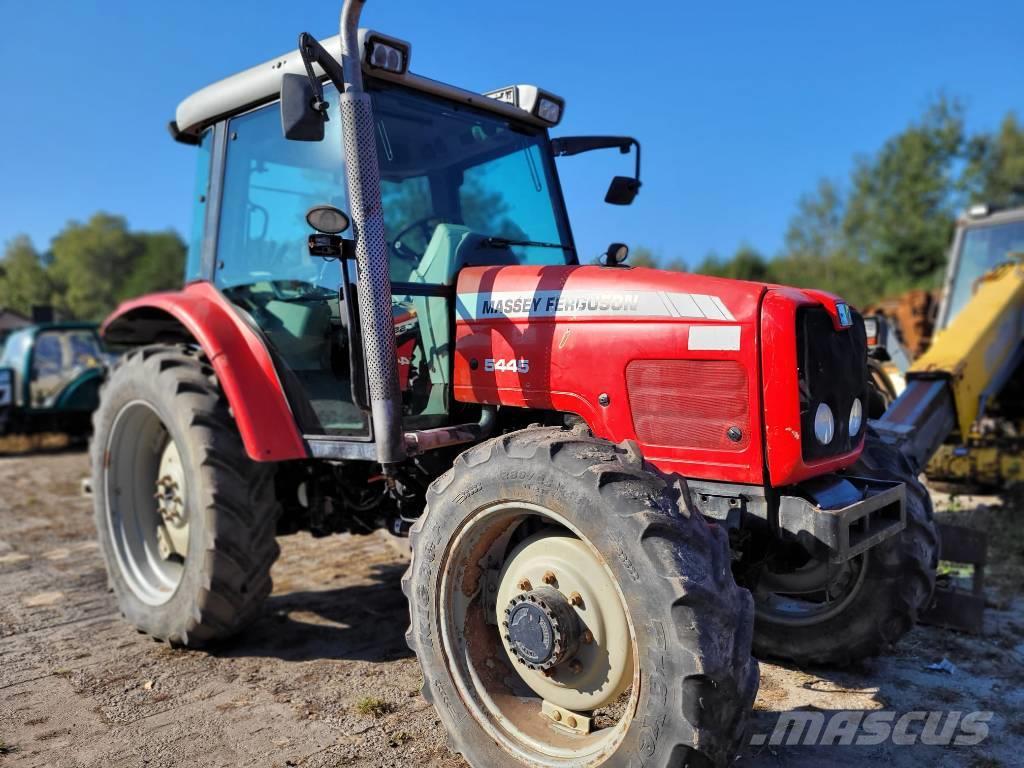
(541, 104)
(824, 424)
(387, 53)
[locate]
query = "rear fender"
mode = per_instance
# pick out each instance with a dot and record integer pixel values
(246, 373)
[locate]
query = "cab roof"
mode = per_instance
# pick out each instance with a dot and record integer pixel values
(262, 84)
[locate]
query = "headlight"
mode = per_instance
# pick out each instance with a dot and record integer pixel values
(856, 417)
(824, 424)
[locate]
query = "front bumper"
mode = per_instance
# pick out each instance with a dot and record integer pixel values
(843, 515)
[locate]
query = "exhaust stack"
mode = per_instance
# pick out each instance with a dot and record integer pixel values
(375, 313)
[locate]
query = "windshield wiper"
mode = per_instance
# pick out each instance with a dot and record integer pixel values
(504, 242)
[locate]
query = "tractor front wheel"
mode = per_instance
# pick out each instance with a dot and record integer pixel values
(568, 610)
(186, 520)
(816, 612)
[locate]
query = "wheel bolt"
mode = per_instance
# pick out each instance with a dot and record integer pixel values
(588, 637)
(556, 715)
(524, 584)
(576, 599)
(576, 666)
(549, 577)
(571, 721)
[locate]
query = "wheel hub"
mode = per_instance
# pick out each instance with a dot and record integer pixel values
(541, 628)
(568, 636)
(172, 526)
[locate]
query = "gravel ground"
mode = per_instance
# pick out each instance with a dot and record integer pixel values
(324, 677)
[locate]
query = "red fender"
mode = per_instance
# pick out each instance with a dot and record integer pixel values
(241, 361)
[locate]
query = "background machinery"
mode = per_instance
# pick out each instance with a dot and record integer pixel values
(587, 459)
(976, 435)
(50, 377)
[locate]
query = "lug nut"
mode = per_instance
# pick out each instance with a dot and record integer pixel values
(588, 637)
(549, 577)
(524, 584)
(575, 666)
(571, 721)
(576, 599)
(556, 715)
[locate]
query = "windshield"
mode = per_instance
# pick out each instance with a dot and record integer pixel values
(981, 250)
(441, 164)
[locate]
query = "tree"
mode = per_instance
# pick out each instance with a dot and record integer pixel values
(23, 282)
(642, 256)
(745, 264)
(901, 210)
(159, 266)
(91, 264)
(995, 165)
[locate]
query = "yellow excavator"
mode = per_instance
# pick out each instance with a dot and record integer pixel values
(960, 413)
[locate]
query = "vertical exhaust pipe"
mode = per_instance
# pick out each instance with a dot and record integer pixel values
(375, 313)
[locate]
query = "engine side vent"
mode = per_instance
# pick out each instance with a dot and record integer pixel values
(690, 403)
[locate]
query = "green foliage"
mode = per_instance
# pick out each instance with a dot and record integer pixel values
(24, 282)
(892, 230)
(746, 264)
(642, 257)
(901, 211)
(995, 165)
(90, 268)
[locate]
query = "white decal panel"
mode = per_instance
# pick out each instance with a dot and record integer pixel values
(512, 305)
(718, 338)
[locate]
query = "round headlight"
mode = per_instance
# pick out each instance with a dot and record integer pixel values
(824, 424)
(856, 417)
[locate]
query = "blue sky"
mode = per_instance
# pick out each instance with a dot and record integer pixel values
(740, 107)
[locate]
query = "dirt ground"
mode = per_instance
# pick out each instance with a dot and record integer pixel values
(324, 677)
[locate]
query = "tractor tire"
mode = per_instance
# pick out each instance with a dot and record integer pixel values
(692, 680)
(191, 563)
(897, 584)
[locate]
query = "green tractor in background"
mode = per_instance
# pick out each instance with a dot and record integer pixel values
(50, 375)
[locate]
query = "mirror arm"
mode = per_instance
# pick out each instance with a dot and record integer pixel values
(312, 52)
(567, 146)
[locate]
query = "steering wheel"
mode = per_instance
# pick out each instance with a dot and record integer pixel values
(423, 225)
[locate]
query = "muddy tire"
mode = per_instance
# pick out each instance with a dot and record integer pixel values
(692, 679)
(896, 584)
(166, 454)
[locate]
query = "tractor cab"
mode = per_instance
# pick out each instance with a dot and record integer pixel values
(465, 180)
(984, 240)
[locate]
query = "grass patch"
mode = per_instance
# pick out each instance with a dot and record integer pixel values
(7, 749)
(368, 705)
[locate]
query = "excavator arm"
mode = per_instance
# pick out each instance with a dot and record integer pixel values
(967, 364)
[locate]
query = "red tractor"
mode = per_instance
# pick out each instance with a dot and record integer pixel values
(614, 480)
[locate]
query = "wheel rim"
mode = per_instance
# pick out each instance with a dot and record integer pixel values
(493, 569)
(813, 593)
(146, 509)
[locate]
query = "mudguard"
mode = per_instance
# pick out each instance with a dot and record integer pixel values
(242, 363)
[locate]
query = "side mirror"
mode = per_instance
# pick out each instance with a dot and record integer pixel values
(301, 119)
(622, 190)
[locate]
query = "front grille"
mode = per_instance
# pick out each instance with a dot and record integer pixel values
(833, 370)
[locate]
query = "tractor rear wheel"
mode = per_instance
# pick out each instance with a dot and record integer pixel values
(820, 613)
(186, 520)
(567, 609)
